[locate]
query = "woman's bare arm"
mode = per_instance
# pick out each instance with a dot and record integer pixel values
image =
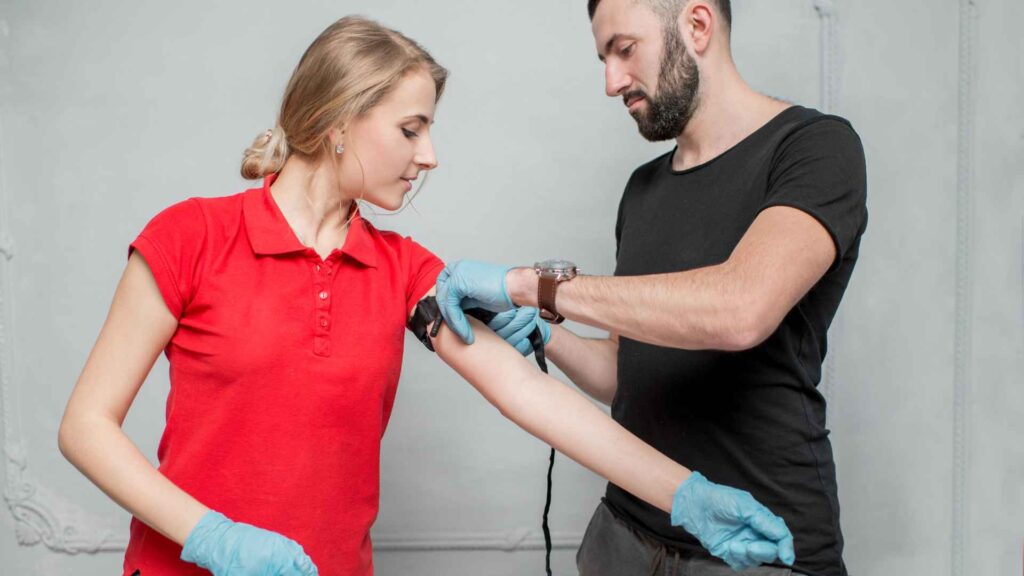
(560, 416)
(137, 329)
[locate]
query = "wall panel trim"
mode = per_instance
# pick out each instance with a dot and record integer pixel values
(508, 541)
(962, 331)
(830, 75)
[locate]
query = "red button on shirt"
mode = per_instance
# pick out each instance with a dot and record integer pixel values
(282, 373)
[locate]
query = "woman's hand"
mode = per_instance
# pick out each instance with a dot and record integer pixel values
(731, 524)
(229, 548)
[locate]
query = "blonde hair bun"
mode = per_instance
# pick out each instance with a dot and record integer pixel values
(266, 155)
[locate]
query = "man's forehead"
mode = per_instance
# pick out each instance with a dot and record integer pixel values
(622, 17)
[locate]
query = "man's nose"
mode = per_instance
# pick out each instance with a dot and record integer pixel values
(616, 80)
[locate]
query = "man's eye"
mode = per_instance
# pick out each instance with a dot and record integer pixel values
(409, 133)
(627, 50)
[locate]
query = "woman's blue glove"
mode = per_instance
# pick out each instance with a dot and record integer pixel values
(228, 548)
(515, 326)
(471, 284)
(730, 524)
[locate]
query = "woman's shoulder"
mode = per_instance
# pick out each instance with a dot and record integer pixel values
(194, 205)
(217, 205)
(198, 217)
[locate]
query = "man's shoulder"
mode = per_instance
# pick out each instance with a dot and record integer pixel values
(814, 133)
(652, 167)
(800, 121)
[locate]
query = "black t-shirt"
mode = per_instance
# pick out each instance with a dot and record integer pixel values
(753, 419)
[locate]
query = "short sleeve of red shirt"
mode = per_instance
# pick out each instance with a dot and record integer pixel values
(424, 268)
(172, 245)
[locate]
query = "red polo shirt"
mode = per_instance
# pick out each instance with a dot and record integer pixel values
(283, 372)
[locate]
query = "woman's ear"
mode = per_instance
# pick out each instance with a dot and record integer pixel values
(336, 136)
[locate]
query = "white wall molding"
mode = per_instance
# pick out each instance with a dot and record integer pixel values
(508, 541)
(962, 331)
(5, 59)
(829, 51)
(830, 77)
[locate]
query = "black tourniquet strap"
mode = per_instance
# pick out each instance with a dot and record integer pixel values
(426, 317)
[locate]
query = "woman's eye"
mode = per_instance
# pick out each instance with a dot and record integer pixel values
(409, 133)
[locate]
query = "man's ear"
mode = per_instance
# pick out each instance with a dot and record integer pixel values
(697, 22)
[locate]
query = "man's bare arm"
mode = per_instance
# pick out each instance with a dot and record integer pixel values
(730, 306)
(591, 363)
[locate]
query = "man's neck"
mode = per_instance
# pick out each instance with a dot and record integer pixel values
(728, 111)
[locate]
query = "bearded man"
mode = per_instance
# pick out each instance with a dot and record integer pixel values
(733, 253)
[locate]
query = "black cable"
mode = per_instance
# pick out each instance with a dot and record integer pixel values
(537, 340)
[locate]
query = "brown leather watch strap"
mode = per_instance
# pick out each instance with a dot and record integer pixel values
(546, 289)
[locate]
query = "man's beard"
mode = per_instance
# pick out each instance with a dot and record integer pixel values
(670, 110)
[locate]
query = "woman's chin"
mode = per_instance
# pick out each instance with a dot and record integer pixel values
(389, 205)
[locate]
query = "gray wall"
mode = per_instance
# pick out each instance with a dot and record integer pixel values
(110, 111)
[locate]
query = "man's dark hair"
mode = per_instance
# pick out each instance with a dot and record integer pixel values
(668, 10)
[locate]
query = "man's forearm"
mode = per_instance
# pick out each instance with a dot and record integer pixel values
(591, 363)
(697, 309)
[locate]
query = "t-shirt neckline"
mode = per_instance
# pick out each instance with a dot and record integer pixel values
(764, 127)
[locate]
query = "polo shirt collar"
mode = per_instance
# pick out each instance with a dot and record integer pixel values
(270, 234)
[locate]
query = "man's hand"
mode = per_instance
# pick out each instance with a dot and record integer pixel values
(515, 327)
(471, 284)
(730, 524)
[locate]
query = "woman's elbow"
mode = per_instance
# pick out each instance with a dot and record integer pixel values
(507, 407)
(515, 404)
(65, 436)
(73, 429)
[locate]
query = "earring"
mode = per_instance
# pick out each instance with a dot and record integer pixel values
(339, 149)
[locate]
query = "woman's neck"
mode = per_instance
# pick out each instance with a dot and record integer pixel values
(310, 199)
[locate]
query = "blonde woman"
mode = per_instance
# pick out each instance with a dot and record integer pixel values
(281, 312)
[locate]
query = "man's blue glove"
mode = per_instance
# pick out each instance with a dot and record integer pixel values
(515, 326)
(228, 548)
(730, 524)
(471, 284)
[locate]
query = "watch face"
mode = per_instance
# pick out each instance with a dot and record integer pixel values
(555, 265)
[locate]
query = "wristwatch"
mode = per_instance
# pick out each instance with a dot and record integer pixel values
(551, 274)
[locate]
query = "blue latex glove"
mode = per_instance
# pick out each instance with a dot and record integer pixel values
(730, 524)
(515, 326)
(228, 548)
(471, 284)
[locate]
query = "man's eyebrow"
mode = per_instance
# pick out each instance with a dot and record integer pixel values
(608, 45)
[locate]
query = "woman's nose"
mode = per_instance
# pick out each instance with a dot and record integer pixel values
(425, 157)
